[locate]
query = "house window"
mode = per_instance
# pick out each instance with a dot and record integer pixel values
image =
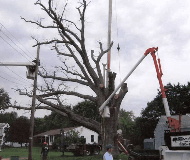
(51, 138)
(92, 138)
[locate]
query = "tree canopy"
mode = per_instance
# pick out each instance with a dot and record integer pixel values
(8, 117)
(18, 131)
(52, 121)
(178, 97)
(126, 120)
(4, 99)
(88, 109)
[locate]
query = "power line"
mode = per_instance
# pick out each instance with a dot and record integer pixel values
(15, 43)
(11, 81)
(14, 48)
(16, 73)
(14, 77)
(18, 42)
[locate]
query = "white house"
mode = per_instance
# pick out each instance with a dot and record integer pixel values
(2, 131)
(49, 136)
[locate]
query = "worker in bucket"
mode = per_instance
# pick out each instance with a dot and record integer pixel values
(44, 151)
(108, 155)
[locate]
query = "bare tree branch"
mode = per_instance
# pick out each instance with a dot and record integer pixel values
(71, 23)
(91, 98)
(89, 123)
(60, 53)
(39, 24)
(44, 8)
(63, 12)
(64, 79)
(97, 62)
(73, 34)
(40, 107)
(82, 50)
(49, 42)
(103, 51)
(73, 73)
(81, 67)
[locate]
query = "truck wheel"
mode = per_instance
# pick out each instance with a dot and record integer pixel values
(131, 158)
(87, 152)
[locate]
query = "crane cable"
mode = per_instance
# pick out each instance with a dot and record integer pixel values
(118, 47)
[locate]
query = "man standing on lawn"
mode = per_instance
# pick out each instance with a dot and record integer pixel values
(108, 155)
(44, 151)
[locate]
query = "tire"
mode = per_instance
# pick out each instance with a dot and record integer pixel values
(88, 153)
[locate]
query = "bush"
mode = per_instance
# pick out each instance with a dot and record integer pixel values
(54, 145)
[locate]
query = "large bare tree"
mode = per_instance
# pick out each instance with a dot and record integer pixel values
(86, 73)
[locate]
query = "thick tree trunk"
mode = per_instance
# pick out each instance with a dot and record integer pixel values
(109, 131)
(110, 125)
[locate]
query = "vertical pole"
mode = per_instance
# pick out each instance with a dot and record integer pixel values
(33, 107)
(104, 77)
(109, 41)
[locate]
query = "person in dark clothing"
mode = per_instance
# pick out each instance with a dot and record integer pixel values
(26, 145)
(44, 151)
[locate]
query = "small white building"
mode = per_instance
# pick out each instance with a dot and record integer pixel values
(2, 132)
(49, 136)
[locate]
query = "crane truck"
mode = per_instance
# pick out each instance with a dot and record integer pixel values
(177, 143)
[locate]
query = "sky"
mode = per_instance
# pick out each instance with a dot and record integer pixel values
(136, 25)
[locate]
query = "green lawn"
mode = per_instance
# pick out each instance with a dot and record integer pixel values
(53, 155)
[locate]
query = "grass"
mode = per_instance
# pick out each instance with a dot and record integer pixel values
(53, 155)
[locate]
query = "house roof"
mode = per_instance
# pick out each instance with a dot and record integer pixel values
(2, 125)
(54, 132)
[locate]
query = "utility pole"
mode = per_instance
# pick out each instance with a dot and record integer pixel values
(31, 74)
(109, 41)
(33, 107)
